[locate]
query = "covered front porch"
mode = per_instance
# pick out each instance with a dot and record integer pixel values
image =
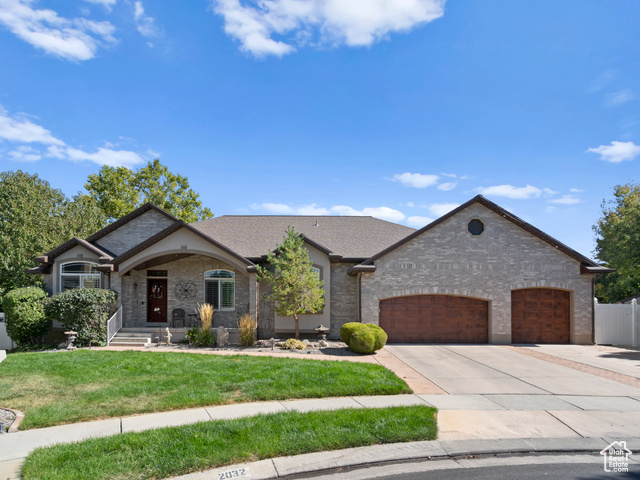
(161, 284)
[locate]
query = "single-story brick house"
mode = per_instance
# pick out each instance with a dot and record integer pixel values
(476, 275)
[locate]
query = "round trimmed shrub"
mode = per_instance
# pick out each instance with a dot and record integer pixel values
(348, 329)
(379, 334)
(363, 341)
(25, 317)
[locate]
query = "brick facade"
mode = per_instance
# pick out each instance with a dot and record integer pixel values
(134, 232)
(448, 260)
(134, 291)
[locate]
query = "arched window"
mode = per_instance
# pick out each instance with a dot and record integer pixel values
(220, 289)
(79, 275)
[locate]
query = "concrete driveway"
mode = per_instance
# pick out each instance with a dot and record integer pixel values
(554, 391)
(507, 370)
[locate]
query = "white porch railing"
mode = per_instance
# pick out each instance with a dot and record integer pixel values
(113, 325)
(617, 324)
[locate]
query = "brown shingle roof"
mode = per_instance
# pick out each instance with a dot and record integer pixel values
(351, 237)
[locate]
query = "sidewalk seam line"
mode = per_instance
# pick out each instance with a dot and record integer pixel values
(565, 424)
(275, 468)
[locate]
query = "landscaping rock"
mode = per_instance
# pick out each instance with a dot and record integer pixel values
(6, 419)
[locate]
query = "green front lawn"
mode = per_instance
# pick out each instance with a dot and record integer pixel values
(53, 388)
(175, 451)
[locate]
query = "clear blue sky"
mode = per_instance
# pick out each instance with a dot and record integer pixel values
(397, 109)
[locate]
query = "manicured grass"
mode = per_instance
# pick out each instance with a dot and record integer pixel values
(64, 387)
(174, 451)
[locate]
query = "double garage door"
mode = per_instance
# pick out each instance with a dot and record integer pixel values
(538, 315)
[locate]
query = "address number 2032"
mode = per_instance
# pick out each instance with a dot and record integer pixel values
(240, 472)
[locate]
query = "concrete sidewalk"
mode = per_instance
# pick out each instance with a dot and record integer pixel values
(505, 422)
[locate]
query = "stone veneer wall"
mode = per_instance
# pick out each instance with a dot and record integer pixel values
(344, 298)
(190, 268)
(134, 232)
(449, 260)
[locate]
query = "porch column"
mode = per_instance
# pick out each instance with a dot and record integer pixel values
(254, 295)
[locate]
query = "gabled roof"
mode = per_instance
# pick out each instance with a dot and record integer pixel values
(589, 265)
(103, 255)
(177, 225)
(352, 238)
(127, 218)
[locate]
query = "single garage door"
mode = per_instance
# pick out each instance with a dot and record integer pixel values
(540, 315)
(435, 319)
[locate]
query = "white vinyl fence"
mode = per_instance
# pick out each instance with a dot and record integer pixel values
(617, 324)
(5, 341)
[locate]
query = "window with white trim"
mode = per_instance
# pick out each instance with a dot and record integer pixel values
(79, 275)
(220, 289)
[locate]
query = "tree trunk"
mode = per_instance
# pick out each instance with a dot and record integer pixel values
(295, 319)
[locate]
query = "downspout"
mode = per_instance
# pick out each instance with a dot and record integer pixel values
(593, 310)
(360, 297)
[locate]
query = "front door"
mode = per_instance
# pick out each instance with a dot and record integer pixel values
(157, 300)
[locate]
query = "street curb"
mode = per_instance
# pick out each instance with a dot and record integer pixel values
(282, 467)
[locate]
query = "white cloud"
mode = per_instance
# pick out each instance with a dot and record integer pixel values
(410, 204)
(566, 200)
(450, 175)
(19, 130)
(576, 190)
(548, 192)
(108, 4)
(384, 213)
(320, 22)
(72, 39)
(445, 187)
(509, 191)
(618, 98)
(415, 180)
(439, 209)
(418, 221)
(145, 24)
(550, 209)
(25, 154)
(105, 156)
(617, 151)
(23, 131)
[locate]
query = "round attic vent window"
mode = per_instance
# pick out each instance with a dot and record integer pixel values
(475, 227)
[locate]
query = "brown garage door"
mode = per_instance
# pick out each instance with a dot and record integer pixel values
(540, 315)
(435, 319)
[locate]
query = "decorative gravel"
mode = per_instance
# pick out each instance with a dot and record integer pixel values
(6, 419)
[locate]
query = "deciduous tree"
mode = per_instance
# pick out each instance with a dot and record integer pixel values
(295, 286)
(120, 190)
(34, 218)
(618, 244)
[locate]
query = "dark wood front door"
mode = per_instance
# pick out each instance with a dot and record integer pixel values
(540, 315)
(435, 319)
(157, 300)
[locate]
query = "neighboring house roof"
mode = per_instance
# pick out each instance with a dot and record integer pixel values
(350, 237)
(589, 266)
(629, 299)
